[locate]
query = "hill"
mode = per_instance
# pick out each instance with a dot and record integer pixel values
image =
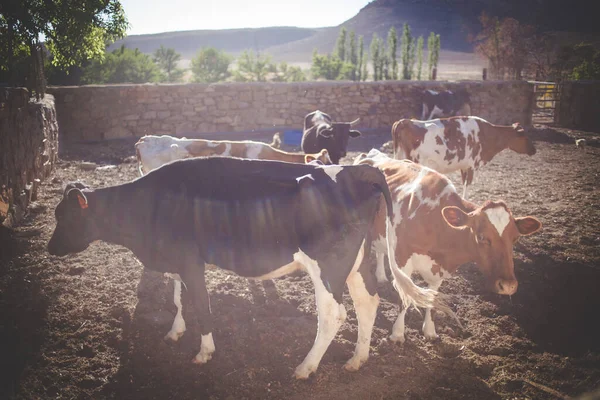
(454, 20)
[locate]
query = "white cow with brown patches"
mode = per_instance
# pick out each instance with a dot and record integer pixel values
(456, 143)
(155, 151)
(434, 231)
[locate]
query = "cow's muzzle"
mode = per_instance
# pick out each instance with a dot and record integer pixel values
(506, 286)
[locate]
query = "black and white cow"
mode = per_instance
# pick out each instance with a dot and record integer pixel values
(445, 103)
(260, 219)
(320, 132)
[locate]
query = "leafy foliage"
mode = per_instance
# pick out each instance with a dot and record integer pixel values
(340, 46)
(408, 53)
(253, 67)
(167, 59)
(419, 57)
(286, 73)
(122, 65)
(392, 43)
(353, 56)
(376, 57)
(361, 67)
(325, 66)
(504, 44)
(211, 65)
(433, 49)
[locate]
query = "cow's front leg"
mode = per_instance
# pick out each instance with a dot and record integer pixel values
(330, 310)
(178, 327)
(196, 284)
(467, 179)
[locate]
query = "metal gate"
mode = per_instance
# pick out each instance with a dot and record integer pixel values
(546, 96)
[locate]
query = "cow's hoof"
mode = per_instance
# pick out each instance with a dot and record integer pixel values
(354, 363)
(432, 337)
(173, 336)
(303, 371)
(202, 358)
(398, 339)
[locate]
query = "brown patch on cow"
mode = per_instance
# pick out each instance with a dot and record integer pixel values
(432, 185)
(436, 270)
(201, 148)
(407, 136)
(438, 140)
(455, 140)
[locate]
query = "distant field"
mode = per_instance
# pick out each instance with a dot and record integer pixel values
(453, 66)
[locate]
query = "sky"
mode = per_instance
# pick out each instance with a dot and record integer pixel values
(155, 16)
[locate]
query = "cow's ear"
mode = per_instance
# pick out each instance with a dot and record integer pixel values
(455, 217)
(528, 225)
(326, 132)
(517, 126)
(354, 133)
(308, 158)
(76, 198)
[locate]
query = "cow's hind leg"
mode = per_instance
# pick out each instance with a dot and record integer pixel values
(432, 274)
(178, 327)
(193, 276)
(330, 310)
(363, 290)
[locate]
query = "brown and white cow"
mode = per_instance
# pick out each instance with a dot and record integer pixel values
(445, 103)
(434, 231)
(155, 151)
(456, 143)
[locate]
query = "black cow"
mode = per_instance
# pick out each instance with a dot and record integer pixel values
(320, 132)
(445, 104)
(260, 219)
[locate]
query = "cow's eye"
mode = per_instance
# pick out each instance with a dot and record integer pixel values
(482, 239)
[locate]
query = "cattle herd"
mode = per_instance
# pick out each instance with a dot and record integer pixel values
(262, 213)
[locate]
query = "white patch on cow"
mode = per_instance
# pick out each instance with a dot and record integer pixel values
(212, 144)
(307, 176)
(433, 92)
(207, 348)
(253, 150)
(332, 171)
(436, 112)
(178, 327)
(227, 151)
(331, 315)
(450, 92)
(155, 151)
(499, 217)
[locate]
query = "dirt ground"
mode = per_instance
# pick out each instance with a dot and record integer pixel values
(91, 325)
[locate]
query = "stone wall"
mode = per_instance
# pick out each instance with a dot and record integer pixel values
(579, 106)
(28, 149)
(106, 112)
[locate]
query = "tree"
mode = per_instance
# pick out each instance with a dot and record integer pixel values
(433, 50)
(578, 62)
(353, 56)
(376, 57)
(210, 65)
(325, 66)
(286, 73)
(73, 30)
(122, 65)
(253, 67)
(419, 57)
(340, 45)
(362, 62)
(504, 44)
(392, 42)
(167, 60)
(407, 52)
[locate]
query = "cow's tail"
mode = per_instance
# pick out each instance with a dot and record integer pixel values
(410, 293)
(399, 153)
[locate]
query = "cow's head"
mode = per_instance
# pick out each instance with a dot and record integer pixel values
(492, 233)
(322, 156)
(72, 233)
(336, 135)
(520, 142)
